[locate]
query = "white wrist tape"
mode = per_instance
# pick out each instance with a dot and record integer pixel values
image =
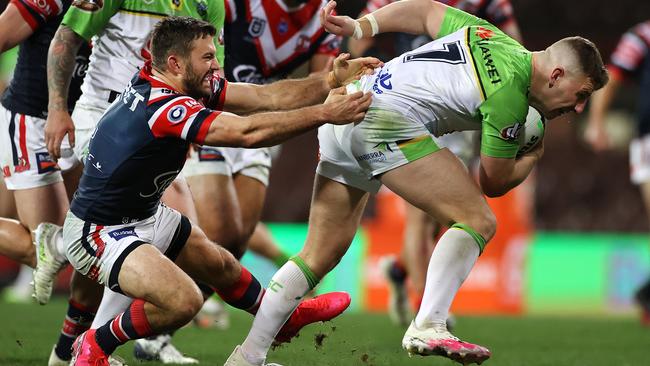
(373, 24)
(358, 33)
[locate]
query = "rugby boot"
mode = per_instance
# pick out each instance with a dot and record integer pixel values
(318, 309)
(237, 359)
(86, 351)
(48, 261)
(160, 348)
(437, 341)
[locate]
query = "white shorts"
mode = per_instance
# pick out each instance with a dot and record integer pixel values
(355, 154)
(24, 159)
(205, 160)
(85, 118)
(640, 160)
(98, 251)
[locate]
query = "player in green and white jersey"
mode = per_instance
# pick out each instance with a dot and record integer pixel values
(472, 76)
(119, 32)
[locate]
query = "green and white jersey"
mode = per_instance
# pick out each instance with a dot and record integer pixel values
(472, 77)
(120, 31)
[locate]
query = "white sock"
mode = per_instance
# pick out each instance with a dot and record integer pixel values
(286, 290)
(451, 262)
(112, 304)
(59, 246)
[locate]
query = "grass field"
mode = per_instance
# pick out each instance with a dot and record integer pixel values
(29, 331)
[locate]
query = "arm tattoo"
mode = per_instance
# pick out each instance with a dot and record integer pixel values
(60, 65)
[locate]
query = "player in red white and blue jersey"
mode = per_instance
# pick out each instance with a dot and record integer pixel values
(28, 170)
(630, 62)
(117, 232)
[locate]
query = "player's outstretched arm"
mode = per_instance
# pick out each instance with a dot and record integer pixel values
(13, 28)
(60, 65)
(601, 100)
(408, 16)
(272, 128)
(295, 93)
(497, 176)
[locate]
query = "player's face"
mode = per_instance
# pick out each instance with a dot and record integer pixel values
(202, 64)
(567, 95)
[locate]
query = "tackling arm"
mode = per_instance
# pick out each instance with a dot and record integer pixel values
(497, 176)
(13, 28)
(601, 100)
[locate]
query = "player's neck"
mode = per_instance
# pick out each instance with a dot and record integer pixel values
(167, 78)
(537, 77)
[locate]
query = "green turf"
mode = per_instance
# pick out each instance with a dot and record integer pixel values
(29, 331)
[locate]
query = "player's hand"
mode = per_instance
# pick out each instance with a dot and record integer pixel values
(336, 24)
(58, 125)
(88, 5)
(342, 109)
(596, 136)
(345, 71)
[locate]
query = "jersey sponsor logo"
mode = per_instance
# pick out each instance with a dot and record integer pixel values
(303, 44)
(511, 132)
(176, 4)
(48, 7)
(484, 33)
(256, 28)
(488, 61)
(202, 8)
(131, 95)
(176, 114)
(160, 183)
(382, 81)
(122, 233)
(45, 163)
(248, 74)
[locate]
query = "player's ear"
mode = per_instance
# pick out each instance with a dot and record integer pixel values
(174, 64)
(556, 74)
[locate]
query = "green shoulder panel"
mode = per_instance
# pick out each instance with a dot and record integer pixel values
(456, 19)
(503, 116)
(89, 23)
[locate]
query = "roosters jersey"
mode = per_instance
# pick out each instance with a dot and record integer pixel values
(27, 92)
(266, 41)
(138, 148)
(631, 60)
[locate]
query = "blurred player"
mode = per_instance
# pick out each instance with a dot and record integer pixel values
(268, 45)
(116, 231)
(472, 76)
(420, 229)
(629, 62)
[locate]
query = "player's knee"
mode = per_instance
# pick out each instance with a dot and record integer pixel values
(229, 237)
(188, 305)
(485, 224)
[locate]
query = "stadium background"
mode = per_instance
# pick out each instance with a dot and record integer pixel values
(575, 240)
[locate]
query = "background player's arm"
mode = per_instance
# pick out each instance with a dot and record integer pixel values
(272, 128)
(601, 100)
(60, 66)
(407, 16)
(499, 175)
(13, 28)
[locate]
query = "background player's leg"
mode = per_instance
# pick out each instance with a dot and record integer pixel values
(334, 217)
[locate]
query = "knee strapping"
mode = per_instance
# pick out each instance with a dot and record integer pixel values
(480, 241)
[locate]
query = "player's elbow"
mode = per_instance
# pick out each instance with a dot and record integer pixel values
(493, 188)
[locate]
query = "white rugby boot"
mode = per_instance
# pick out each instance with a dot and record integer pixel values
(160, 349)
(237, 359)
(48, 261)
(436, 340)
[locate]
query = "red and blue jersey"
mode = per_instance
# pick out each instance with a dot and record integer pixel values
(631, 61)
(138, 149)
(27, 92)
(266, 41)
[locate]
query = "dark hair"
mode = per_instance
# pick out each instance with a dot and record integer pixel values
(590, 60)
(174, 35)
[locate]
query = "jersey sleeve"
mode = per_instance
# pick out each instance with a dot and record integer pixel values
(38, 12)
(89, 23)
(631, 51)
(456, 19)
(217, 17)
(181, 117)
(503, 116)
(218, 98)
